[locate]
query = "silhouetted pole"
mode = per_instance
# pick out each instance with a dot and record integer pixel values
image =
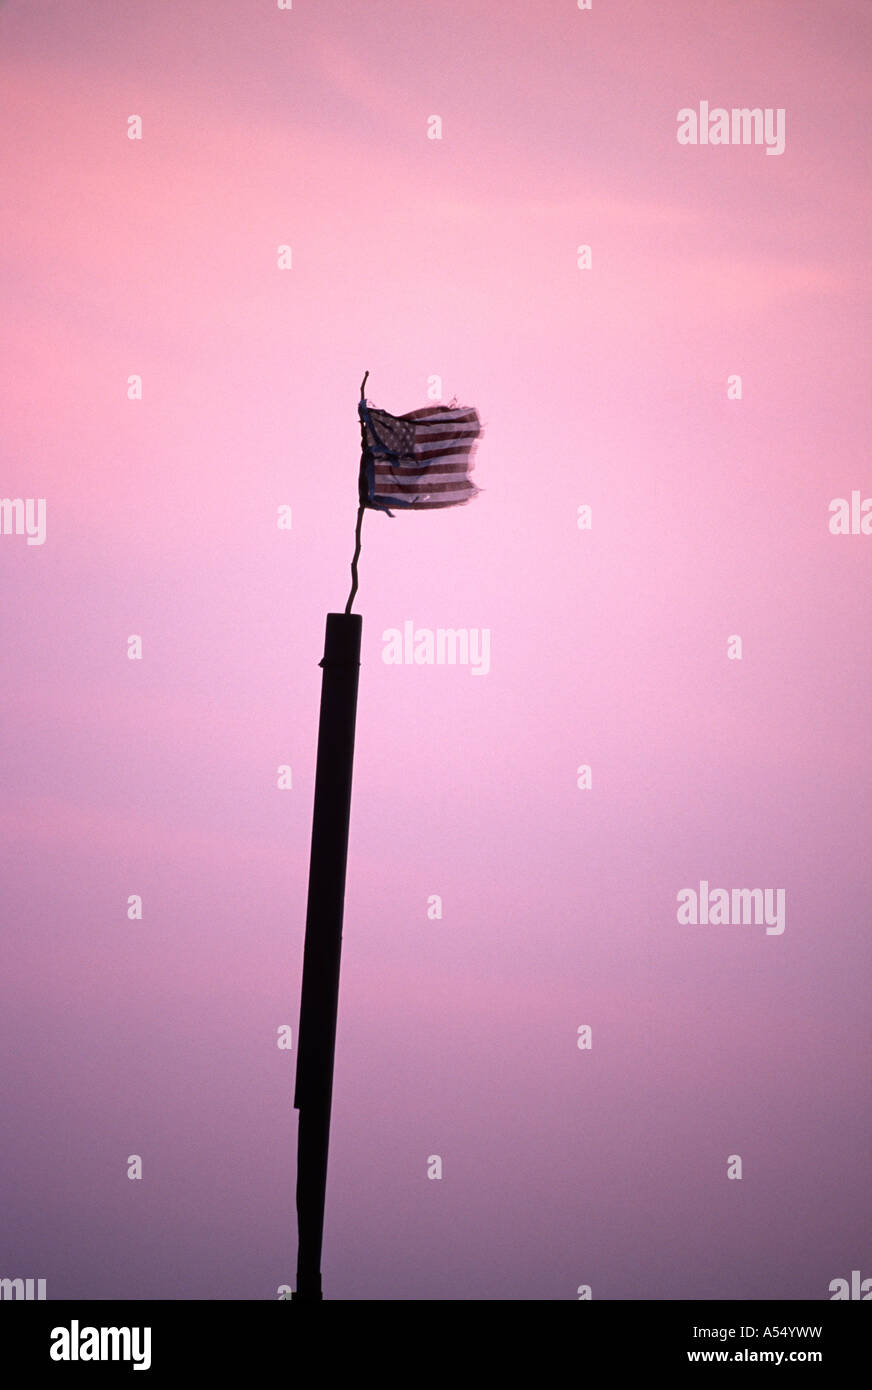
(316, 1038)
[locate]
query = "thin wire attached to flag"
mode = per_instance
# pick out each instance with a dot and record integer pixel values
(356, 531)
(355, 560)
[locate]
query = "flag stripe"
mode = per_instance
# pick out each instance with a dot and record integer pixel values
(444, 463)
(426, 456)
(433, 443)
(428, 506)
(425, 428)
(385, 485)
(423, 440)
(455, 459)
(422, 489)
(462, 448)
(423, 485)
(440, 429)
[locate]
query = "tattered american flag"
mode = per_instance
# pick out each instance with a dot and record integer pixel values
(422, 459)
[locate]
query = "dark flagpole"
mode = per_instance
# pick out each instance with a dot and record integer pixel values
(319, 1001)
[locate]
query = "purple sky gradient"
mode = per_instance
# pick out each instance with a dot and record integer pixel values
(414, 257)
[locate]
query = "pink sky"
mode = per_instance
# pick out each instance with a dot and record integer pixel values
(457, 257)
